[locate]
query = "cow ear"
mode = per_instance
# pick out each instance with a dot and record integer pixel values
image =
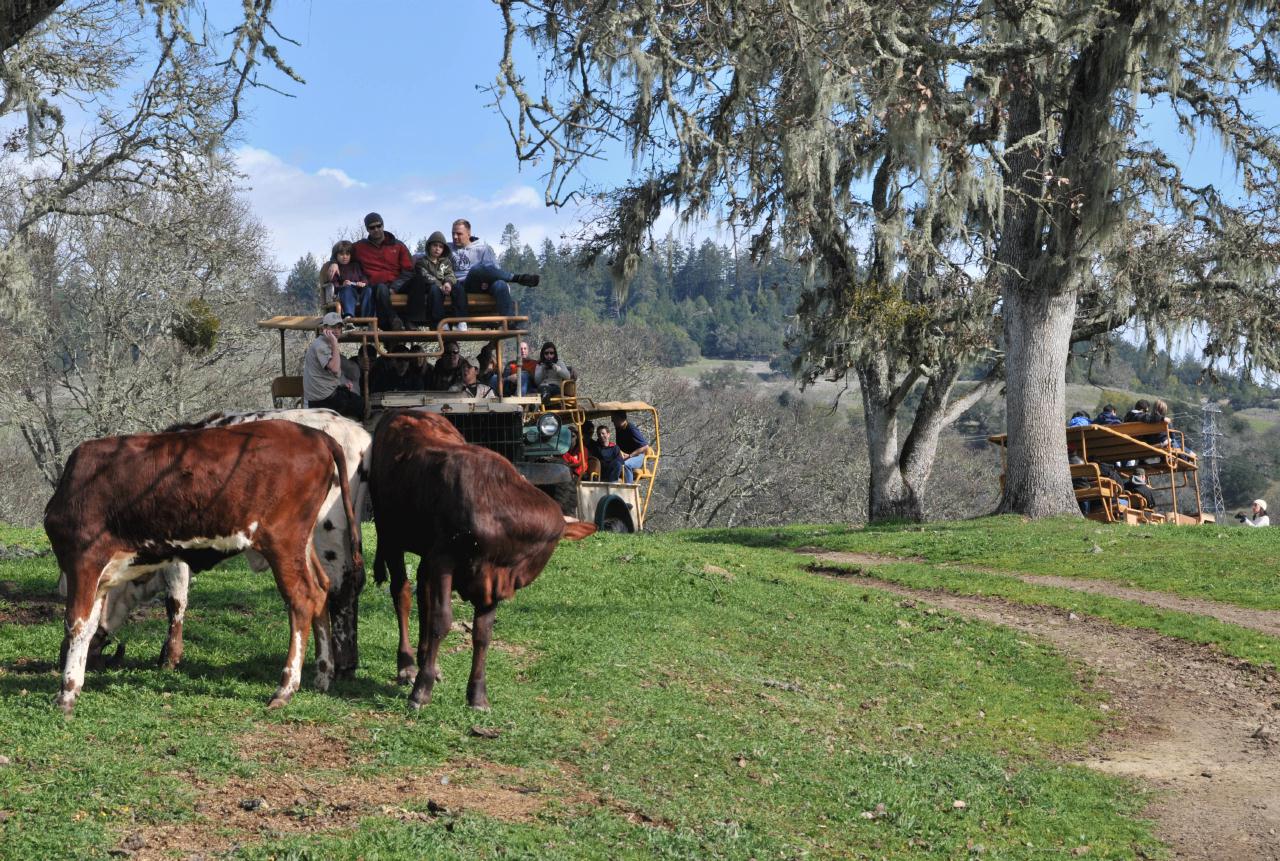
(575, 530)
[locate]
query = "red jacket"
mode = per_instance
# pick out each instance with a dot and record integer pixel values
(385, 263)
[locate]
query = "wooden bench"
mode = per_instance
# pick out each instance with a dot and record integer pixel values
(478, 304)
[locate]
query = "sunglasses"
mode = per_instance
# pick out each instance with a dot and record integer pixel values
(375, 226)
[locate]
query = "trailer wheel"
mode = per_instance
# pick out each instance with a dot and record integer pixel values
(615, 524)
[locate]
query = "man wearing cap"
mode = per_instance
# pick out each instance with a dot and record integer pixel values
(1137, 483)
(322, 382)
(389, 267)
(1259, 518)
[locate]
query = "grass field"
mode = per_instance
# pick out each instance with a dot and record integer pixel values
(677, 696)
(693, 695)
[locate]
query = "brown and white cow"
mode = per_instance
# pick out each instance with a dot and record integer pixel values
(128, 506)
(346, 579)
(480, 528)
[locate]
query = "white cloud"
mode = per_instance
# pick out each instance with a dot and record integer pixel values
(341, 177)
(522, 196)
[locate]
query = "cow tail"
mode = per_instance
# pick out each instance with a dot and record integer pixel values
(353, 523)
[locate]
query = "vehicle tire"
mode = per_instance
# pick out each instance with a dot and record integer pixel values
(565, 495)
(615, 524)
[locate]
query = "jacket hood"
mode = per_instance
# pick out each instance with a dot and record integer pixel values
(438, 237)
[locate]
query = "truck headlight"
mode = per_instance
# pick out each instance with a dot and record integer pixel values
(548, 425)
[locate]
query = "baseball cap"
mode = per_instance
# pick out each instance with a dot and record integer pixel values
(1261, 503)
(333, 318)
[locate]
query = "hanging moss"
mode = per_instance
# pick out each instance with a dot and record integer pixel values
(196, 327)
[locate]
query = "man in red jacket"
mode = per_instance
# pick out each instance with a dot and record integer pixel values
(389, 268)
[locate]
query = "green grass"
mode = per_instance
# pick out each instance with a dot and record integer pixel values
(670, 696)
(1228, 564)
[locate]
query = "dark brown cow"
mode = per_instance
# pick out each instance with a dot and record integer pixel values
(480, 528)
(127, 506)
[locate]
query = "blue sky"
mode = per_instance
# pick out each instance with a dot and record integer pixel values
(390, 119)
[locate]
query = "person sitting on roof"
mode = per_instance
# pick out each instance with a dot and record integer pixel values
(346, 280)
(1259, 518)
(389, 268)
(1107, 416)
(436, 269)
(1138, 413)
(477, 269)
(1079, 419)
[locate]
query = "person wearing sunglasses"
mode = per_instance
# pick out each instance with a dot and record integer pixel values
(388, 267)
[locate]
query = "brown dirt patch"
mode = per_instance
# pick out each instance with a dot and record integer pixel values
(1202, 728)
(299, 746)
(276, 804)
(20, 606)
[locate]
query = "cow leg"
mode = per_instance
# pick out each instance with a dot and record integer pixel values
(320, 625)
(402, 598)
(481, 634)
(177, 579)
(304, 598)
(344, 611)
(84, 609)
(435, 617)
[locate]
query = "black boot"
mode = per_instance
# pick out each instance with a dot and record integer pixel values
(528, 279)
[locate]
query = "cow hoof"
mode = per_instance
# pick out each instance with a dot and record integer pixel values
(478, 696)
(279, 701)
(323, 682)
(419, 698)
(345, 674)
(407, 675)
(65, 702)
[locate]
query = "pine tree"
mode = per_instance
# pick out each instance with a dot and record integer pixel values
(300, 291)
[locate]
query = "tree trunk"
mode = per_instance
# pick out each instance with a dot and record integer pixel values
(890, 496)
(1037, 329)
(20, 17)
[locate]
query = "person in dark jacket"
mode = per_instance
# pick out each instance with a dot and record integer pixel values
(436, 269)
(1137, 483)
(1107, 416)
(609, 456)
(1138, 413)
(388, 266)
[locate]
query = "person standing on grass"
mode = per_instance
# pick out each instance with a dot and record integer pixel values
(1259, 517)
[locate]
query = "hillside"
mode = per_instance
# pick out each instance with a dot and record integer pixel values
(698, 695)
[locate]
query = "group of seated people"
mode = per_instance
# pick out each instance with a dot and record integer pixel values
(363, 275)
(615, 455)
(1142, 411)
(333, 381)
(478, 378)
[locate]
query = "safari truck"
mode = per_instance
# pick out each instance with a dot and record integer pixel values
(1103, 453)
(532, 432)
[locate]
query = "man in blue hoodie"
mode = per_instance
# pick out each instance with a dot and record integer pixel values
(476, 267)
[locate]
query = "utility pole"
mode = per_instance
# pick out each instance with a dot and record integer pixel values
(1209, 455)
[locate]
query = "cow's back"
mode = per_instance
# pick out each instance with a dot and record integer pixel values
(158, 488)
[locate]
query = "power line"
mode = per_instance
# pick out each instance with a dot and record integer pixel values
(1209, 436)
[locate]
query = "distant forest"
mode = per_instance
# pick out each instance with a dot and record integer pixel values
(701, 299)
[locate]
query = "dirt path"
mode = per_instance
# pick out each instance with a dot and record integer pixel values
(1202, 728)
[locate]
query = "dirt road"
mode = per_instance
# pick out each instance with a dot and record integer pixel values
(1201, 728)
